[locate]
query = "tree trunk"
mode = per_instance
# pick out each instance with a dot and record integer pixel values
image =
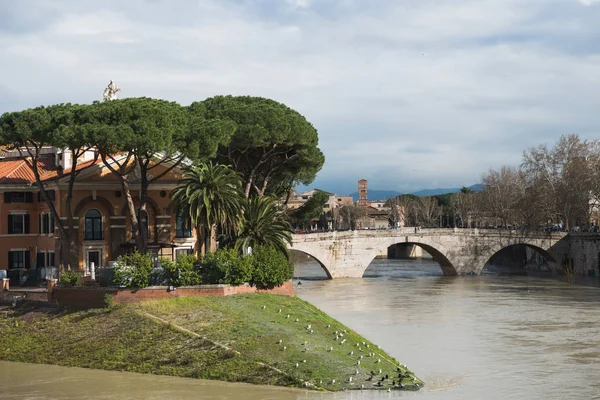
(135, 226)
(143, 220)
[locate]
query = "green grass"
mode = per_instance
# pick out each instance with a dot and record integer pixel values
(233, 338)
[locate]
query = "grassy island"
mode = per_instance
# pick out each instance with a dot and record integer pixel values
(259, 338)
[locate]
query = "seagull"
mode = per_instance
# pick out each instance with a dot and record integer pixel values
(358, 362)
(362, 385)
(303, 361)
(264, 307)
(349, 379)
(343, 341)
(280, 341)
(297, 320)
(379, 360)
(360, 356)
(341, 334)
(356, 372)
(307, 327)
(332, 381)
(379, 370)
(283, 348)
(328, 326)
(331, 349)
(297, 365)
(351, 353)
(287, 316)
(304, 343)
(311, 331)
(389, 390)
(279, 311)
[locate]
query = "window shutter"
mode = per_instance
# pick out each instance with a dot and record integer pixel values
(10, 259)
(51, 224)
(27, 260)
(40, 227)
(28, 197)
(26, 222)
(10, 223)
(7, 197)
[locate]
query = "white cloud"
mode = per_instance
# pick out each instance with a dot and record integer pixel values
(408, 93)
(589, 2)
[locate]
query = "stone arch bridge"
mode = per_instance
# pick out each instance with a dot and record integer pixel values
(458, 251)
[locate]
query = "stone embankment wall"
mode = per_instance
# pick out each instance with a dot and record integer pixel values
(94, 297)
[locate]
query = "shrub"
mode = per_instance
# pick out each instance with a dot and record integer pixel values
(228, 267)
(109, 300)
(271, 267)
(182, 272)
(133, 270)
(70, 278)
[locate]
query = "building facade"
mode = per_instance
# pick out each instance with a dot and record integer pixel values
(29, 235)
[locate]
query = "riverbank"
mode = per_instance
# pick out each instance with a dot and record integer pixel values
(245, 338)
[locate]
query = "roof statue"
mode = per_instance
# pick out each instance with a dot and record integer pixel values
(110, 93)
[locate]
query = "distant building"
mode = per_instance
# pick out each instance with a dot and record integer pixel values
(363, 193)
(297, 200)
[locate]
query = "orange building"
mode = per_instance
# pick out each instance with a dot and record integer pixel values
(28, 234)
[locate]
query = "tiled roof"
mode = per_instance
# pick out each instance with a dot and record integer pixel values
(16, 171)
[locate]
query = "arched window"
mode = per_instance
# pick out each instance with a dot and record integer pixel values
(183, 226)
(93, 225)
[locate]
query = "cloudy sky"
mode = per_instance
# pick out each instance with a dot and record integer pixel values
(408, 94)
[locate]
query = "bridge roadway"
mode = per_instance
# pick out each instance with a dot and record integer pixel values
(347, 254)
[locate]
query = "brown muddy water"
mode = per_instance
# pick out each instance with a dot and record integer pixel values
(472, 337)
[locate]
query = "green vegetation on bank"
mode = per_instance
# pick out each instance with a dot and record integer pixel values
(258, 338)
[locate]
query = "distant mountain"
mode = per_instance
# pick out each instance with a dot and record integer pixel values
(434, 192)
(386, 194)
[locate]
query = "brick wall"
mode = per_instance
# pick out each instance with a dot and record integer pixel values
(94, 297)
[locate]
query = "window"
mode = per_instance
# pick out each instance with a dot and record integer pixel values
(93, 225)
(50, 193)
(18, 197)
(18, 259)
(46, 224)
(50, 258)
(183, 226)
(18, 224)
(40, 261)
(183, 252)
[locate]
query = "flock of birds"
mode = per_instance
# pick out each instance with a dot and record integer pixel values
(376, 378)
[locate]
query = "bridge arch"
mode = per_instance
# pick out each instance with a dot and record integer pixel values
(436, 250)
(550, 259)
(321, 263)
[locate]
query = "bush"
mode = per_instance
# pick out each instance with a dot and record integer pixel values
(182, 272)
(227, 267)
(271, 267)
(133, 270)
(70, 278)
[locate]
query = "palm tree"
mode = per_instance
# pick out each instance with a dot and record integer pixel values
(210, 194)
(264, 223)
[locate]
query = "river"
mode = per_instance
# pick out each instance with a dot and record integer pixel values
(473, 337)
